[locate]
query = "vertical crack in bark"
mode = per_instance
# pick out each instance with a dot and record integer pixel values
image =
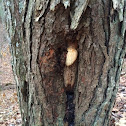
(105, 95)
(44, 15)
(42, 115)
(106, 27)
(46, 11)
(94, 97)
(24, 16)
(108, 22)
(122, 54)
(106, 118)
(120, 28)
(27, 35)
(31, 43)
(100, 107)
(26, 96)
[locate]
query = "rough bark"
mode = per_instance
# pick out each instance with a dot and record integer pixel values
(40, 32)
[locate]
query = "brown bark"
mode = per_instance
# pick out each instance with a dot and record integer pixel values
(40, 34)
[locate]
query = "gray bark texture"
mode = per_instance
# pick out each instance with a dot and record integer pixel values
(51, 93)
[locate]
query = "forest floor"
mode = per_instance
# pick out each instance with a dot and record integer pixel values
(9, 107)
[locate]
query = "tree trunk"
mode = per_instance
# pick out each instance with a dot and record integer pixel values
(51, 93)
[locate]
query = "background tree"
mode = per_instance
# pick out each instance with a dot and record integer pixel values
(41, 31)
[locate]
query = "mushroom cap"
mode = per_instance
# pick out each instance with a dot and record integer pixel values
(71, 56)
